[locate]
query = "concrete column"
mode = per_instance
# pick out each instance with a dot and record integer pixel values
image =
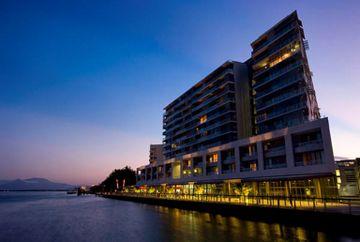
(289, 151)
(267, 188)
(317, 184)
(287, 188)
(260, 153)
(237, 159)
(157, 172)
(255, 188)
(219, 164)
(172, 169)
(326, 137)
(181, 168)
(164, 171)
(192, 166)
(204, 164)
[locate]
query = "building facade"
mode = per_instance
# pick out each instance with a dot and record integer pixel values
(249, 128)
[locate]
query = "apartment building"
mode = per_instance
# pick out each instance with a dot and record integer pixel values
(251, 127)
(215, 111)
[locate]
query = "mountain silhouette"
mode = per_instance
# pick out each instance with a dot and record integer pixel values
(33, 184)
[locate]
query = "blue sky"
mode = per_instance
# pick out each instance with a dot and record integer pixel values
(83, 83)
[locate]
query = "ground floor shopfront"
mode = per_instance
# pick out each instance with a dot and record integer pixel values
(319, 187)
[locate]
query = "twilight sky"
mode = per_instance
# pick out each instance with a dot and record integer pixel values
(83, 83)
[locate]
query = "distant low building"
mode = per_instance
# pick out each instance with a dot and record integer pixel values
(348, 177)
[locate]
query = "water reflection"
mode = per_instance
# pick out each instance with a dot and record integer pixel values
(195, 226)
(59, 217)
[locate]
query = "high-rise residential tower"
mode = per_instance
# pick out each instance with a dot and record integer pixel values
(283, 91)
(215, 111)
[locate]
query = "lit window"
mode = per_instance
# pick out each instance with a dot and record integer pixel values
(253, 166)
(203, 119)
(214, 158)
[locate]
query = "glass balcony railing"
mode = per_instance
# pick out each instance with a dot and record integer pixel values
(197, 116)
(267, 116)
(191, 96)
(227, 171)
(308, 143)
(279, 85)
(283, 55)
(275, 149)
(278, 73)
(275, 166)
(276, 48)
(308, 163)
(252, 156)
(279, 99)
(229, 160)
(275, 37)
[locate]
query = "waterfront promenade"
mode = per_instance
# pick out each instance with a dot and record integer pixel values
(350, 206)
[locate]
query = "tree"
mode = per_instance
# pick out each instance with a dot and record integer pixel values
(118, 179)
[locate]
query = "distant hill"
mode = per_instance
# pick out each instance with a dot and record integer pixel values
(33, 184)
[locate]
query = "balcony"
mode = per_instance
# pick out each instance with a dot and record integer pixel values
(249, 157)
(278, 74)
(227, 171)
(208, 128)
(197, 116)
(202, 89)
(309, 146)
(282, 83)
(229, 160)
(309, 163)
(211, 164)
(211, 118)
(279, 112)
(275, 166)
(281, 45)
(279, 99)
(278, 151)
(213, 135)
(271, 40)
(246, 169)
(212, 173)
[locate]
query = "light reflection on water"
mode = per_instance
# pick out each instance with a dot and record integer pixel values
(195, 226)
(56, 216)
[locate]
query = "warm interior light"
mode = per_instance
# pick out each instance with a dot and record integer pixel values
(203, 119)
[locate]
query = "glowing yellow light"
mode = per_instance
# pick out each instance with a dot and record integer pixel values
(203, 119)
(337, 172)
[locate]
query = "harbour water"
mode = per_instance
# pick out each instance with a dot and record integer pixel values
(56, 216)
